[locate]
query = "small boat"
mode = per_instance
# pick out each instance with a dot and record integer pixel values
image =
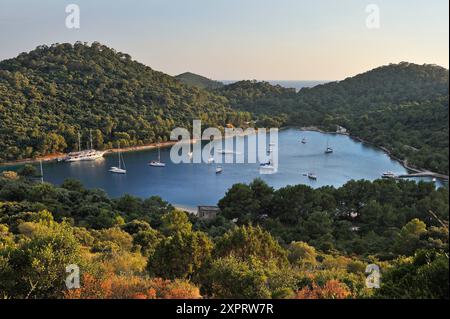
(219, 169)
(312, 176)
(158, 162)
(220, 151)
(304, 140)
(388, 174)
(328, 150)
(119, 170)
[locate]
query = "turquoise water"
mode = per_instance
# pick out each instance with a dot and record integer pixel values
(198, 184)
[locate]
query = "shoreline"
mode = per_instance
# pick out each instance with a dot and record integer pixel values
(403, 162)
(129, 149)
(54, 157)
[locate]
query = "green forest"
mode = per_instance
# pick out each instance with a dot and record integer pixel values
(402, 107)
(295, 242)
(51, 94)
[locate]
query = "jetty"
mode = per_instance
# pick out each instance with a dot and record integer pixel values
(425, 174)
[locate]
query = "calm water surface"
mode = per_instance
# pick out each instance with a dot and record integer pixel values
(197, 184)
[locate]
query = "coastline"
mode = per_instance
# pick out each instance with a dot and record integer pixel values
(138, 148)
(403, 162)
(54, 157)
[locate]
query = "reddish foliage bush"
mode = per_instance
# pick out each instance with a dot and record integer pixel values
(126, 287)
(333, 289)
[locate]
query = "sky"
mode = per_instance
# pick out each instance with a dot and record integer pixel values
(241, 39)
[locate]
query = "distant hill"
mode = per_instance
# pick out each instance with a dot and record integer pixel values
(196, 80)
(50, 94)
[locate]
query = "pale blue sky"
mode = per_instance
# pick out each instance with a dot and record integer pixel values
(241, 39)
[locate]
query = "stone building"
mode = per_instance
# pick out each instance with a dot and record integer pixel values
(207, 212)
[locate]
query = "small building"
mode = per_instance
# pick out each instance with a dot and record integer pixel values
(341, 130)
(207, 212)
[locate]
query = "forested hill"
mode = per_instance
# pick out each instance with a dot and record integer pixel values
(196, 80)
(50, 94)
(375, 89)
(403, 107)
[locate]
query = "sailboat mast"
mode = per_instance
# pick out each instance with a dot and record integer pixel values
(159, 153)
(79, 142)
(42, 172)
(90, 138)
(119, 155)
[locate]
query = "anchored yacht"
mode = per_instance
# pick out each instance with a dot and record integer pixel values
(119, 169)
(158, 162)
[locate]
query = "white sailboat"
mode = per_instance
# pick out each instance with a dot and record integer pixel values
(119, 169)
(268, 167)
(219, 169)
(157, 163)
(328, 150)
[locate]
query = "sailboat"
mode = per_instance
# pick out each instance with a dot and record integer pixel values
(211, 157)
(157, 163)
(328, 150)
(119, 170)
(219, 169)
(268, 167)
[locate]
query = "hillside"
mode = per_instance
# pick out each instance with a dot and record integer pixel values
(50, 94)
(403, 107)
(195, 80)
(131, 247)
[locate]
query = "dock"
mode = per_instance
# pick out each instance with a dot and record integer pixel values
(425, 174)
